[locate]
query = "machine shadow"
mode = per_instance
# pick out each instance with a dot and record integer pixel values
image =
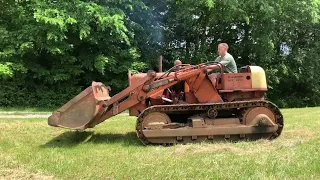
(74, 138)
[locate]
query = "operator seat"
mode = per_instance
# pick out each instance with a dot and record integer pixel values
(244, 69)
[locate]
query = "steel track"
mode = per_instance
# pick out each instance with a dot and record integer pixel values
(199, 108)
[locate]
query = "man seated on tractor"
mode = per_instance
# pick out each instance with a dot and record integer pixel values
(226, 59)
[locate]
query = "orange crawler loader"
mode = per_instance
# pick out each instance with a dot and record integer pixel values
(187, 103)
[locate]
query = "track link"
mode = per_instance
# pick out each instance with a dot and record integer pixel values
(199, 108)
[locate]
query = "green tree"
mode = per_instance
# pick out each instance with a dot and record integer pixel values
(256, 31)
(53, 49)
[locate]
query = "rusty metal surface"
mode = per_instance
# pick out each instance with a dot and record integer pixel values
(222, 121)
(79, 112)
(213, 130)
(236, 81)
(207, 92)
(160, 64)
(100, 91)
(234, 131)
(240, 96)
(76, 113)
(251, 113)
(205, 101)
(131, 97)
(155, 117)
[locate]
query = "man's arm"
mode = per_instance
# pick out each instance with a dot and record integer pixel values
(225, 61)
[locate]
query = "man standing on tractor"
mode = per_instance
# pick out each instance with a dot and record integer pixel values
(177, 89)
(226, 59)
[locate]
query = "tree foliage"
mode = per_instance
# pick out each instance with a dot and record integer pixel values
(51, 50)
(280, 36)
(59, 47)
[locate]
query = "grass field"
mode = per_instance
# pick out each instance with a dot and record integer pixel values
(30, 149)
(25, 109)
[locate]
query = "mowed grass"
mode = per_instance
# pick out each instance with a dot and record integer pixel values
(30, 149)
(25, 109)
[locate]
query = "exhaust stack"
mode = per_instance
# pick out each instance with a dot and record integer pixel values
(160, 64)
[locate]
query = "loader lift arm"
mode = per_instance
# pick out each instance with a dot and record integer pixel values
(150, 86)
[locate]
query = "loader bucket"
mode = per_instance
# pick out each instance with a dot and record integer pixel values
(82, 109)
